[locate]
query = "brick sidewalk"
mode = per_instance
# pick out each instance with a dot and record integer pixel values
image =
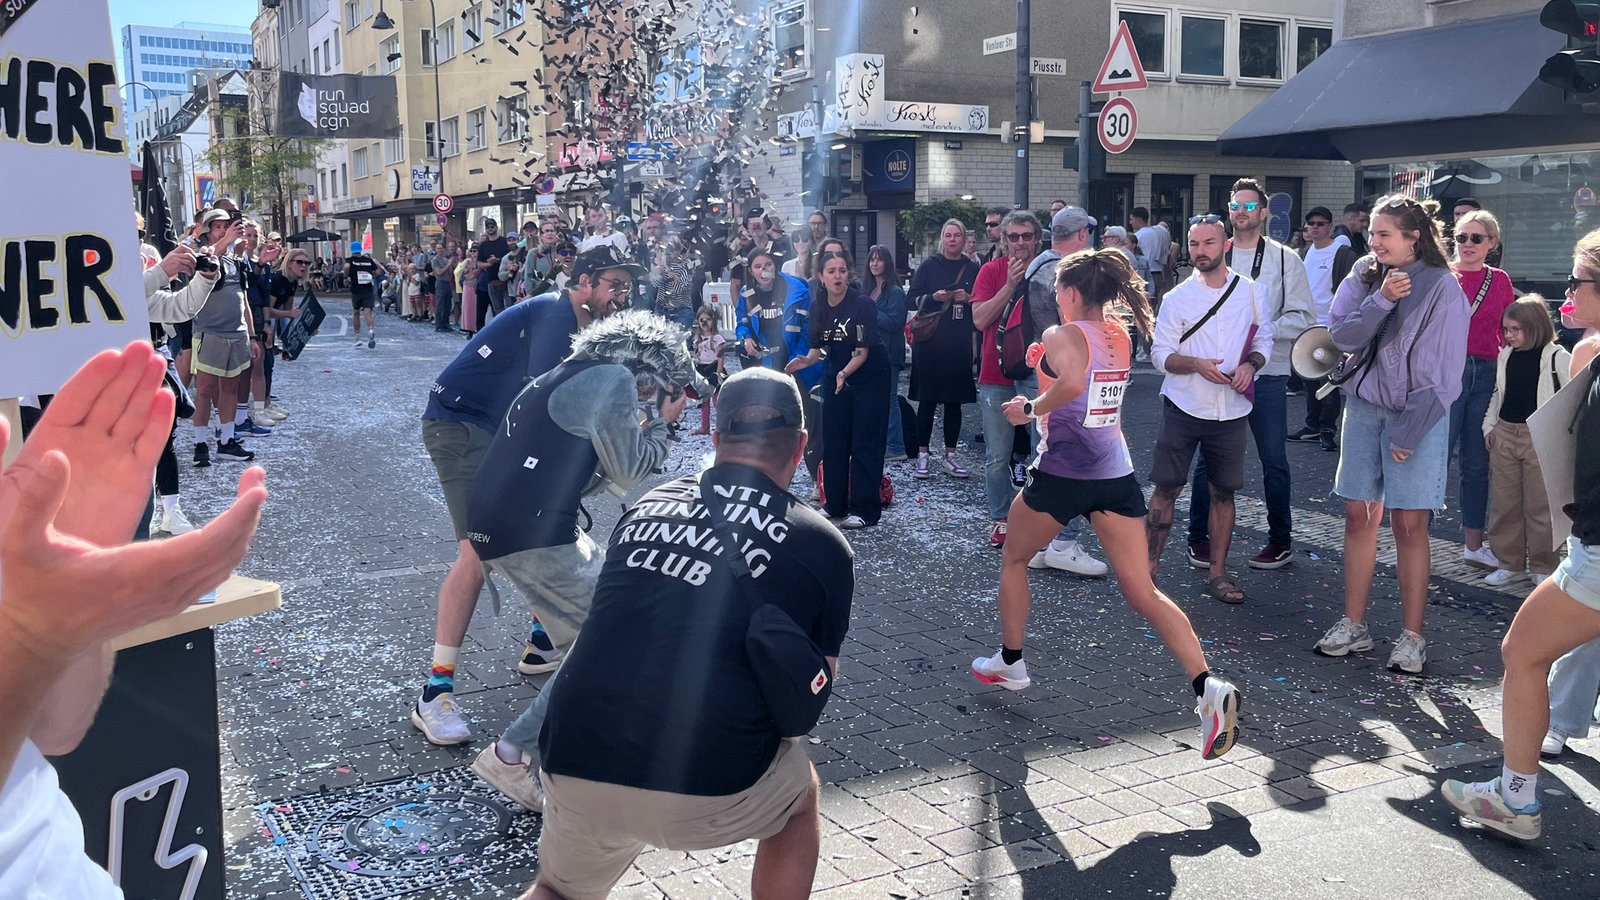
(932, 782)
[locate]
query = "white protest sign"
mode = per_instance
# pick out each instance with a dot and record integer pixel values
(71, 280)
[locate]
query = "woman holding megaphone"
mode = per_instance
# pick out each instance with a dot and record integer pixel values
(1402, 316)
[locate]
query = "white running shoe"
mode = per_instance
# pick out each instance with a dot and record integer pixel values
(1070, 558)
(1482, 803)
(1553, 744)
(1410, 652)
(993, 670)
(852, 522)
(1218, 708)
(175, 522)
(439, 721)
(1345, 636)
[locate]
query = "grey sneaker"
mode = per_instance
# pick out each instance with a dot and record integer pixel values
(513, 780)
(1410, 652)
(953, 467)
(1343, 638)
(921, 471)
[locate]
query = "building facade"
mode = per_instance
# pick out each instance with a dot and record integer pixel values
(164, 59)
(915, 85)
(1380, 99)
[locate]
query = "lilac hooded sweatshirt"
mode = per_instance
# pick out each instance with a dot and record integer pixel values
(1417, 372)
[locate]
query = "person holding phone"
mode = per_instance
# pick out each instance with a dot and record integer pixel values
(1402, 315)
(941, 359)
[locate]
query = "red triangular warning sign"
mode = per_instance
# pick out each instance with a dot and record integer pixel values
(1121, 70)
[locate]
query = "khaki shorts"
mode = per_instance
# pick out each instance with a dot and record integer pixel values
(593, 831)
(224, 355)
(456, 449)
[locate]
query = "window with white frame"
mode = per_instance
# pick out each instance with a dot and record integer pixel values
(389, 55)
(1202, 41)
(472, 26)
(344, 179)
(447, 42)
(351, 15)
(507, 14)
(450, 136)
(475, 128)
(336, 52)
(394, 149)
(791, 38)
(358, 162)
(427, 47)
(1261, 50)
(322, 183)
(1310, 42)
(511, 119)
(327, 55)
(1149, 32)
(316, 59)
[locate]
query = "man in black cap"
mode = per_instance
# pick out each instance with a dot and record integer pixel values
(465, 407)
(491, 250)
(670, 724)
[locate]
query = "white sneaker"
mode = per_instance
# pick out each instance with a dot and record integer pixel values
(1345, 636)
(276, 411)
(993, 670)
(1554, 742)
(176, 523)
(1482, 557)
(359, 342)
(1071, 558)
(513, 780)
(852, 522)
(1218, 709)
(1502, 577)
(1409, 653)
(952, 466)
(439, 721)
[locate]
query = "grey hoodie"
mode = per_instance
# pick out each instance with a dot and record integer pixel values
(1417, 372)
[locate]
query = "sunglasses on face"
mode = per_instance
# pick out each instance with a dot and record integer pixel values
(1246, 205)
(1019, 238)
(1317, 223)
(1572, 283)
(991, 224)
(1471, 238)
(1207, 219)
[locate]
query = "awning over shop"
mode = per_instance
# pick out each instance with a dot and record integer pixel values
(1470, 87)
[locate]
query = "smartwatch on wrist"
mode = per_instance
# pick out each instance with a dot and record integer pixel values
(1027, 408)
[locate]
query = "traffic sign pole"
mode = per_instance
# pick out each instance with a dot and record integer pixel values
(1024, 54)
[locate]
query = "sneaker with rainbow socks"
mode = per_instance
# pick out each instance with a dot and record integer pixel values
(539, 655)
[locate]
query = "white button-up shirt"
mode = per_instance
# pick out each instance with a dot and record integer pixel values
(1222, 337)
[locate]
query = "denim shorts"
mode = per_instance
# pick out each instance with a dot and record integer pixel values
(1368, 472)
(1579, 574)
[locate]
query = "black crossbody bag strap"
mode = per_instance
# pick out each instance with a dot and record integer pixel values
(1212, 311)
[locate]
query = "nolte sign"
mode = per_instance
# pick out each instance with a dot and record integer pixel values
(1041, 66)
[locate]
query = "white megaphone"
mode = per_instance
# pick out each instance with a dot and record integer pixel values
(1315, 356)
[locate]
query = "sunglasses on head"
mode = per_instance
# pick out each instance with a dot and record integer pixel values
(1471, 238)
(1400, 203)
(1246, 205)
(1207, 219)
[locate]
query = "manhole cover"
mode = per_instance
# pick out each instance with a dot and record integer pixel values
(444, 833)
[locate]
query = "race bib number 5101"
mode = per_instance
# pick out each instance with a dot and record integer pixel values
(1106, 390)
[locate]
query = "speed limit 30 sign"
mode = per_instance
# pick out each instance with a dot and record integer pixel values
(1119, 124)
(443, 203)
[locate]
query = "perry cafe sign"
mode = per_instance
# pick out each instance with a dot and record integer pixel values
(859, 103)
(71, 282)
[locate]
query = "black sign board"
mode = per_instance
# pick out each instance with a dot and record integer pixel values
(294, 337)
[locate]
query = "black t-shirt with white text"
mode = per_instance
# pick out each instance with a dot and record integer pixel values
(363, 274)
(659, 694)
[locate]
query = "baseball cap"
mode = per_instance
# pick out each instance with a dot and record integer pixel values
(530, 225)
(355, 246)
(215, 215)
(623, 222)
(1070, 220)
(756, 400)
(603, 257)
(1319, 211)
(490, 220)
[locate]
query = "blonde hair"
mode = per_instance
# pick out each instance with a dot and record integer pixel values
(1491, 225)
(289, 258)
(1532, 312)
(1586, 253)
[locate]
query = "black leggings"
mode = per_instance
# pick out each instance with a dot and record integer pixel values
(167, 470)
(952, 424)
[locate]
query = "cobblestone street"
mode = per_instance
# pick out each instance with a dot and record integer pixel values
(1087, 784)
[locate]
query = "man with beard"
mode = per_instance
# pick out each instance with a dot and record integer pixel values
(1213, 334)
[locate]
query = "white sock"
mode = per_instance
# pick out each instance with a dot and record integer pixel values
(227, 434)
(1517, 789)
(240, 413)
(202, 434)
(1061, 546)
(168, 504)
(443, 655)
